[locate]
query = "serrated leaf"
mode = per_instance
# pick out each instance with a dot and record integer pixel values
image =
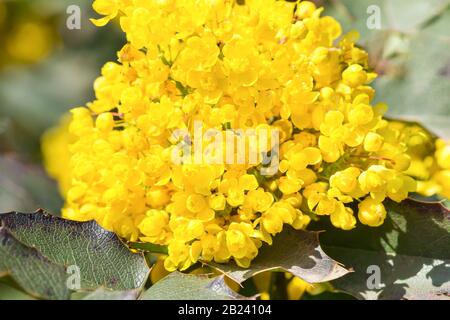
(411, 250)
(102, 259)
(179, 286)
(295, 251)
(36, 274)
(401, 276)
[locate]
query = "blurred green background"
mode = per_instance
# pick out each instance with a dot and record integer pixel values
(45, 69)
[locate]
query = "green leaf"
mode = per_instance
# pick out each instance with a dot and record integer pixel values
(402, 276)
(105, 294)
(99, 255)
(9, 291)
(446, 203)
(294, 251)
(422, 90)
(411, 250)
(32, 271)
(180, 286)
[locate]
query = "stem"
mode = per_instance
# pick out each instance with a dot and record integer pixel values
(278, 286)
(372, 157)
(150, 247)
(183, 90)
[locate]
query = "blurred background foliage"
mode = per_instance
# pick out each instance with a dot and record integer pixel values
(45, 69)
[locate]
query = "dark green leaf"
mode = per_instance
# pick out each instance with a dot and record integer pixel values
(36, 274)
(294, 251)
(179, 286)
(99, 255)
(411, 249)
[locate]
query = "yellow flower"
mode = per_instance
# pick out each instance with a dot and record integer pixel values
(343, 217)
(154, 226)
(259, 200)
(240, 244)
(297, 287)
(55, 150)
(354, 75)
(373, 142)
(241, 62)
(274, 218)
(346, 180)
(108, 8)
(443, 154)
(371, 212)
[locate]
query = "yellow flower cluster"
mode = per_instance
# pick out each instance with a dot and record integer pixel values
(55, 144)
(265, 65)
(440, 172)
(429, 158)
